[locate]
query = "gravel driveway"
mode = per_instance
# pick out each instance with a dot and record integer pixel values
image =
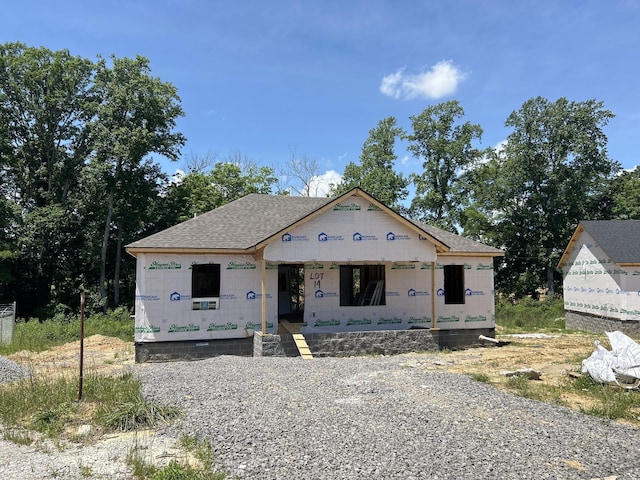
(381, 418)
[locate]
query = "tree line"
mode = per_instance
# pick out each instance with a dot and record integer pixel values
(78, 180)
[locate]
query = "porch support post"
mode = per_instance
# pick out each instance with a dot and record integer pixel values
(264, 296)
(433, 294)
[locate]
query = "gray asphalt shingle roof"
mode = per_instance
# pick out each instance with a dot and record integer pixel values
(620, 239)
(457, 243)
(254, 218)
(239, 225)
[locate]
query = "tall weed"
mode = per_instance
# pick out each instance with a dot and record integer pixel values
(37, 336)
(528, 315)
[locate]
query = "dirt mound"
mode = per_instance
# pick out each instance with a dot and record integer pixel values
(104, 355)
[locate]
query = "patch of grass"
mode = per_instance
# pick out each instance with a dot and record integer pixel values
(50, 406)
(609, 401)
(37, 336)
(480, 377)
(175, 470)
(528, 315)
(85, 471)
(135, 414)
(19, 438)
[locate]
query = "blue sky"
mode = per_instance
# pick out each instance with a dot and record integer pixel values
(263, 78)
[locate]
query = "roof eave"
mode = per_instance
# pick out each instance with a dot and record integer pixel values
(574, 238)
(134, 251)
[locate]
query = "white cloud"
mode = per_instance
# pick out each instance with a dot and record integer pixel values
(319, 185)
(177, 177)
(441, 80)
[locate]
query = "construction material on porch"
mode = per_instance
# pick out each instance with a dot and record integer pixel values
(298, 338)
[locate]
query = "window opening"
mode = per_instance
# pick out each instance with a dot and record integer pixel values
(454, 284)
(362, 285)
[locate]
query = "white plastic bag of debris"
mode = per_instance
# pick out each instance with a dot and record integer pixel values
(621, 365)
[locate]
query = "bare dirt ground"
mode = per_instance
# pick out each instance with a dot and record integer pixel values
(555, 356)
(102, 355)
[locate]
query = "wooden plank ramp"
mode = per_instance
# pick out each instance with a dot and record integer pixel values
(298, 338)
(303, 348)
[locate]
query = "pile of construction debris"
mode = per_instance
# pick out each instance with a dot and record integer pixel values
(620, 366)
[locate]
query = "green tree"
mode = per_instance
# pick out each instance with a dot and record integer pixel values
(44, 141)
(135, 115)
(626, 195)
(529, 196)
(375, 174)
(197, 193)
(446, 147)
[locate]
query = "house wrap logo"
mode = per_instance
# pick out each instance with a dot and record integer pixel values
(323, 237)
(473, 293)
(352, 207)
(417, 293)
(322, 294)
(392, 237)
(287, 237)
(165, 266)
(177, 296)
(251, 295)
(358, 237)
(241, 266)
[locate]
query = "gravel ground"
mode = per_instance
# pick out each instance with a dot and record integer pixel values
(354, 418)
(11, 371)
(381, 418)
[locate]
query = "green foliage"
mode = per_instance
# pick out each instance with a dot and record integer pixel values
(446, 148)
(198, 192)
(528, 197)
(529, 315)
(48, 404)
(625, 190)
(480, 377)
(175, 470)
(135, 414)
(375, 174)
(17, 437)
(75, 185)
(609, 401)
(64, 327)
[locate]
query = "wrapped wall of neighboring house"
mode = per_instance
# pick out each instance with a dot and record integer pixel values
(601, 276)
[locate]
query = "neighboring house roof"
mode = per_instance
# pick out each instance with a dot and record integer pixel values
(252, 220)
(618, 238)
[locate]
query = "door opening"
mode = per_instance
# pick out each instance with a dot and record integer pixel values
(291, 292)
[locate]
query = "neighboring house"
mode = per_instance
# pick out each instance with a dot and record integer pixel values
(601, 276)
(344, 264)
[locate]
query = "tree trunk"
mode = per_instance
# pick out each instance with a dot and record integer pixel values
(103, 253)
(550, 287)
(116, 270)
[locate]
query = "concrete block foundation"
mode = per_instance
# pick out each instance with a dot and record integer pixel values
(192, 350)
(592, 323)
(342, 344)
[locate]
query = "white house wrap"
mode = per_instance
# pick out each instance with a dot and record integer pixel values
(601, 271)
(335, 265)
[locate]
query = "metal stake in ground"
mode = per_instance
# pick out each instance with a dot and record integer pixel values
(81, 343)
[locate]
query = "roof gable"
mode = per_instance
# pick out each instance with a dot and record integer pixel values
(253, 221)
(618, 239)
